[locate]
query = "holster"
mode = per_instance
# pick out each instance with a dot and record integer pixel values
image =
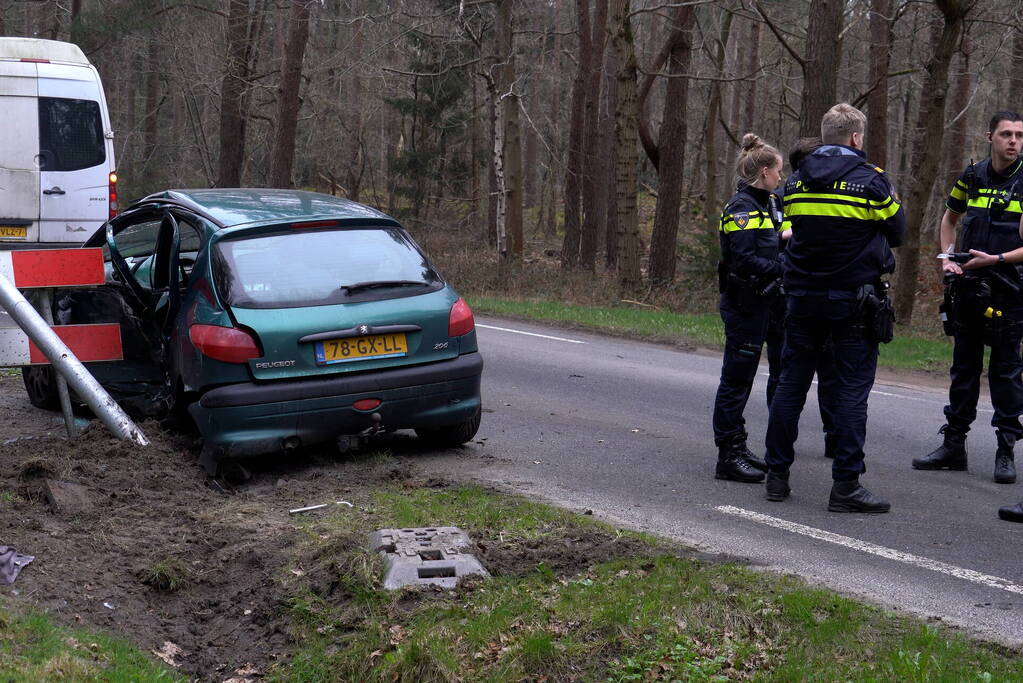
(877, 312)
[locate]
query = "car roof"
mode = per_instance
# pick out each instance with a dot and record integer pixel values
(229, 207)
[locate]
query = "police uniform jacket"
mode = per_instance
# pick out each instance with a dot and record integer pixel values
(749, 235)
(845, 218)
(991, 203)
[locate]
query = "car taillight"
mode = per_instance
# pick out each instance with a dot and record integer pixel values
(112, 179)
(460, 320)
(227, 344)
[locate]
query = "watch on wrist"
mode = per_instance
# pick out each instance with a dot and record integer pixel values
(1001, 258)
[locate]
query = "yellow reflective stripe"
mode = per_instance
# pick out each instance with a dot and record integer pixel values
(729, 225)
(827, 209)
(800, 196)
(958, 194)
(984, 202)
(841, 206)
(961, 185)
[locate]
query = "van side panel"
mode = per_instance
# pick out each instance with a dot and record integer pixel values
(19, 170)
(74, 203)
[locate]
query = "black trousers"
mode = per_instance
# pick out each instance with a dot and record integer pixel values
(745, 335)
(823, 327)
(1004, 371)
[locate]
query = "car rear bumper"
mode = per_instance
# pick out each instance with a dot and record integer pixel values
(252, 419)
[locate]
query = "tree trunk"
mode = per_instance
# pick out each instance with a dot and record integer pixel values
(877, 101)
(626, 148)
(574, 165)
(282, 157)
(1016, 66)
(928, 143)
(232, 89)
(512, 140)
(153, 101)
(711, 201)
(591, 154)
(749, 114)
(611, 246)
(820, 70)
(956, 149)
(672, 150)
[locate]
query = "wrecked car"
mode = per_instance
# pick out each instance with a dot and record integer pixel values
(276, 319)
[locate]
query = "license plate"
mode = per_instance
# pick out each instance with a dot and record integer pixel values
(19, 232)
(361, 348)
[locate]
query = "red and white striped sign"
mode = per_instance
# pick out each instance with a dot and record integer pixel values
(52, 267)
(41, 268)
(89, 343)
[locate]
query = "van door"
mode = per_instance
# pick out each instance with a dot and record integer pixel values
(74, 164)
(19, 145)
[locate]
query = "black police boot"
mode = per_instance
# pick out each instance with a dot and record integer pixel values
(950, 455)
(751, 458)
(1005, 468)
(849, 496)
(1011, 513)
(732, 464)
(777, 486)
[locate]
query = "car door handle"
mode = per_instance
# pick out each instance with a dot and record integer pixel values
(54, 190)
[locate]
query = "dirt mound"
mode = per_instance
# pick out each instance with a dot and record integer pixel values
(565, 552)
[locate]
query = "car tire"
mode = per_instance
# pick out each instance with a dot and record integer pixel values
(41, 385)
(451, 435)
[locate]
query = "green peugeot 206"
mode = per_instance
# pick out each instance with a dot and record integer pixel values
(276, 319)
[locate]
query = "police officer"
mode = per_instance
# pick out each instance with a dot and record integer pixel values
(987, 196)
(748, 276)
(825, 367)
(845, 216)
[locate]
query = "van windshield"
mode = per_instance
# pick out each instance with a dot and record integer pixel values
(70, 134)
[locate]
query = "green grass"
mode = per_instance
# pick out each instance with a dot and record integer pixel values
(654, 614)
(33, 648)
(908, 351)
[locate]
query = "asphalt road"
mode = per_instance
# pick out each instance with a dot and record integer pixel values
(623, 428)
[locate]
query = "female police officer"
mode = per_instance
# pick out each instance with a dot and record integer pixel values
(749, 273)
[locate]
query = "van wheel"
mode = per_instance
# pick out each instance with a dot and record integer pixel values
(41, 385)
(452, 435)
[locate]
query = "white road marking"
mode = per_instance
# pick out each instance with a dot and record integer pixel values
(531, 334)
(879, 550)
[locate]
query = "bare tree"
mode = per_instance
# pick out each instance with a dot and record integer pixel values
(282, 157)
(574, 165)
(877, 101)
(592, 161)
(929, 137)
(626, 147)
(232, 94)
(820, 69)
(511, 147)
(672, 149)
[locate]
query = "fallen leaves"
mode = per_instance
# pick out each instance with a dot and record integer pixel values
(168, 652)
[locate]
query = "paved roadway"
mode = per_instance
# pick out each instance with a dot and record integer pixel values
(623, 428)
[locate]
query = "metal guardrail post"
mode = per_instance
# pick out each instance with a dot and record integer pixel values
(67, 366)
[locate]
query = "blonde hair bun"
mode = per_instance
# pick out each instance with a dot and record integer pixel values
(750, 142)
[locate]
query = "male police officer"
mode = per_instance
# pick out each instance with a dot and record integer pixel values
(845, 217)
(987, 302)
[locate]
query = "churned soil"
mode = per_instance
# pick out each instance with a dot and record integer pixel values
(152, 552)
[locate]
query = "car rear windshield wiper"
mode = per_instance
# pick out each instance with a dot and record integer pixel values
(354, 287)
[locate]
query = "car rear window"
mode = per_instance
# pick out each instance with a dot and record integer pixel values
(70, 134)
(320, 267)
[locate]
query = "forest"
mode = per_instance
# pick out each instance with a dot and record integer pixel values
(597, 136)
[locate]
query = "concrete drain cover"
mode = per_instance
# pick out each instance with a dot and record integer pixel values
(428, 555)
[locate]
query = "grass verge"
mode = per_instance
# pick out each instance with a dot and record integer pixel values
(34, 648)
(572, 599)
(910, 350)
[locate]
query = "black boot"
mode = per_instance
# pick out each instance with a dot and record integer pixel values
(1005, 468)
(732, 464)
(950, 455)
(777, 486)
(1011, 513)
(751, 458)
(849, 496)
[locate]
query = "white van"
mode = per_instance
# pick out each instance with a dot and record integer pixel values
(57, 178)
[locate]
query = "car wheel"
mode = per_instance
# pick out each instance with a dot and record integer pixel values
(41, 385)
(451, 435)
